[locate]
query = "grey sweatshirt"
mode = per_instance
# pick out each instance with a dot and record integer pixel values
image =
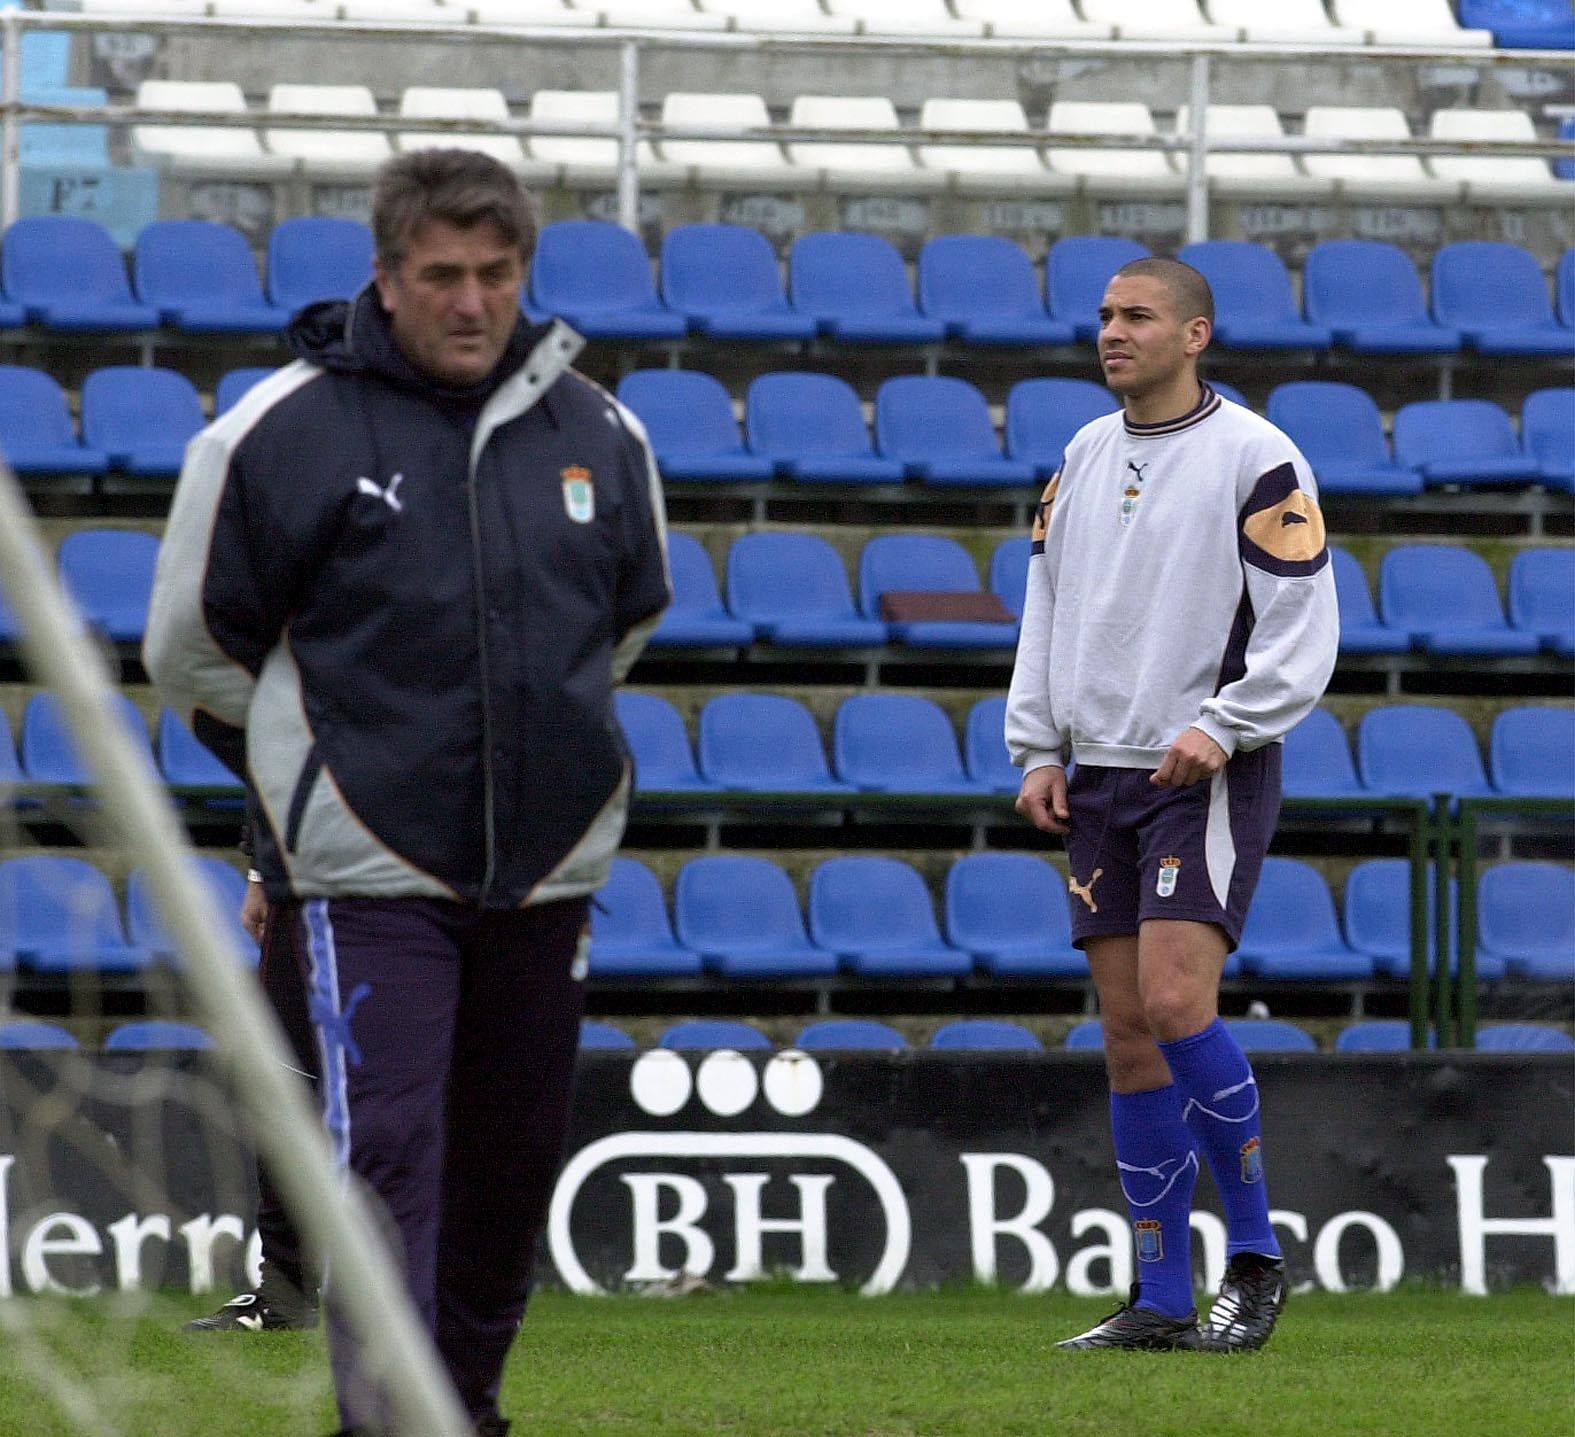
(1179, 579)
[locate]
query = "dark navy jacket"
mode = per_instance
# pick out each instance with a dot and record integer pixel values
(416, 603)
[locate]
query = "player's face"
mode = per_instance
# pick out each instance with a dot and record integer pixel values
(1145, 344)
(453, 299)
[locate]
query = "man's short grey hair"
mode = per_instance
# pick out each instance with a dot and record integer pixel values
(463, 187)
(1187, 286)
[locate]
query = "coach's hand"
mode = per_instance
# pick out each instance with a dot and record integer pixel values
(254, 910)
(1193, 756)
(1042, 800)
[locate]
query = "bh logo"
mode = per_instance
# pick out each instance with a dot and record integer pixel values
(726, 1084)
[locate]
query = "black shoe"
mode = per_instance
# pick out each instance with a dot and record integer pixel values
(258, 1311)
(1138, 1328)
(1252, 1293)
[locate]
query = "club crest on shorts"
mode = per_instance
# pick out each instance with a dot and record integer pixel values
(1150, 1245)
(579, 496)
(1169, 872)
(1252, 1161)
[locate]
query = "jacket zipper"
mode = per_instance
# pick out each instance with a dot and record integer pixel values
(488, 778)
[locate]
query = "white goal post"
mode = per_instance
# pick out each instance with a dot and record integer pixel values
(333, 1214)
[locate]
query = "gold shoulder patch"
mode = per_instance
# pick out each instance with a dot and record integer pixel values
(1292, 531)
(1042, 509)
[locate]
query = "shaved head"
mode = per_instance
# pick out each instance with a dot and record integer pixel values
(1187, 288)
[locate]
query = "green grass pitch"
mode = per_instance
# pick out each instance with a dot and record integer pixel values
(788, 1362)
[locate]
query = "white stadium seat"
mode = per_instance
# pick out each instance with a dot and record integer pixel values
(320, 10)
(144, 7)
(781, 17)
(1032, 19)
(338, 151)
(1157, 20)
(527, 13)
(849, 166)
(1496, 179)
(201, 149)
(1299, 22)
(422, 12)
(729, 162)
(1406, 22)
(987, 169)
(1397, 179)
(906, 17)
(1260, 176)
(431, 102)
(1115, 172)
(651, 15)
(590, 161)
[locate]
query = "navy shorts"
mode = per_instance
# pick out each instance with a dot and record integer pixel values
(1138, 852)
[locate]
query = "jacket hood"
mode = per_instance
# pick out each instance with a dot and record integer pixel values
(355, 337)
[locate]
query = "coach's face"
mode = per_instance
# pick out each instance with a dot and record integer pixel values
(1145, 345)
(453, 299)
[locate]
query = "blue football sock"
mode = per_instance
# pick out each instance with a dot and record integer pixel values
(1158, 1168)
(1220, 1106)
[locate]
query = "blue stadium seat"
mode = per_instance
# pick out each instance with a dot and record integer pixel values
(1291, 931)
(36, 431)
(1531, 752)
(1522, 24)
(10, 765)
(1377, 1035)
(1465, 441)
(985, 1035)
(1254, 305)
(1526, 917)
(1417, 750)
(855, 287)
(742, 916)
(654, 730)
(1086, 1035)
(631, 936)
(1378, 920)
(201, 278)
(597, 277)
(849, 1034)
(153, 1035)
(1446, 598)
(1228, 391)
(313, 257)
(1009, 910)
(234, 383)
(1523, 1038)
(142, 418)
(1341, 434)
(983, 289)
(1564, 275)
(32, 1035)
(892, 563)
(715, 1033)
(811, 428)
(1496, 295)
(725, 282)
(1009, 571)
(899, 743)
(1540, 584)
(688, 417)
(1547, 432)
(10, 625)
(696, 618)
(67, 274)
(225, 883)
(183, 760)
(47, 752)
(1042, 415)
(984, 747)
(1078, 270)
(596, 1034)
(794, 590)
(1361, 630)
(875, 913)
(58, 915)
(764, 742)
(938, 427)
(109, 574)
(1317, 761)
(1369, 294)
(1270, 1035)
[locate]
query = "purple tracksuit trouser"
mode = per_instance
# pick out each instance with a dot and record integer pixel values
(447, 1037)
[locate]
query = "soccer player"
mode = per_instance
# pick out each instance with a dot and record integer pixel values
(408, 571)
(1180, 619)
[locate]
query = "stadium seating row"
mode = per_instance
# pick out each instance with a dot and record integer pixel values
(867, 917)
(1509, 23)
(723, 281)
(791, 590)
(1257, 1035)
